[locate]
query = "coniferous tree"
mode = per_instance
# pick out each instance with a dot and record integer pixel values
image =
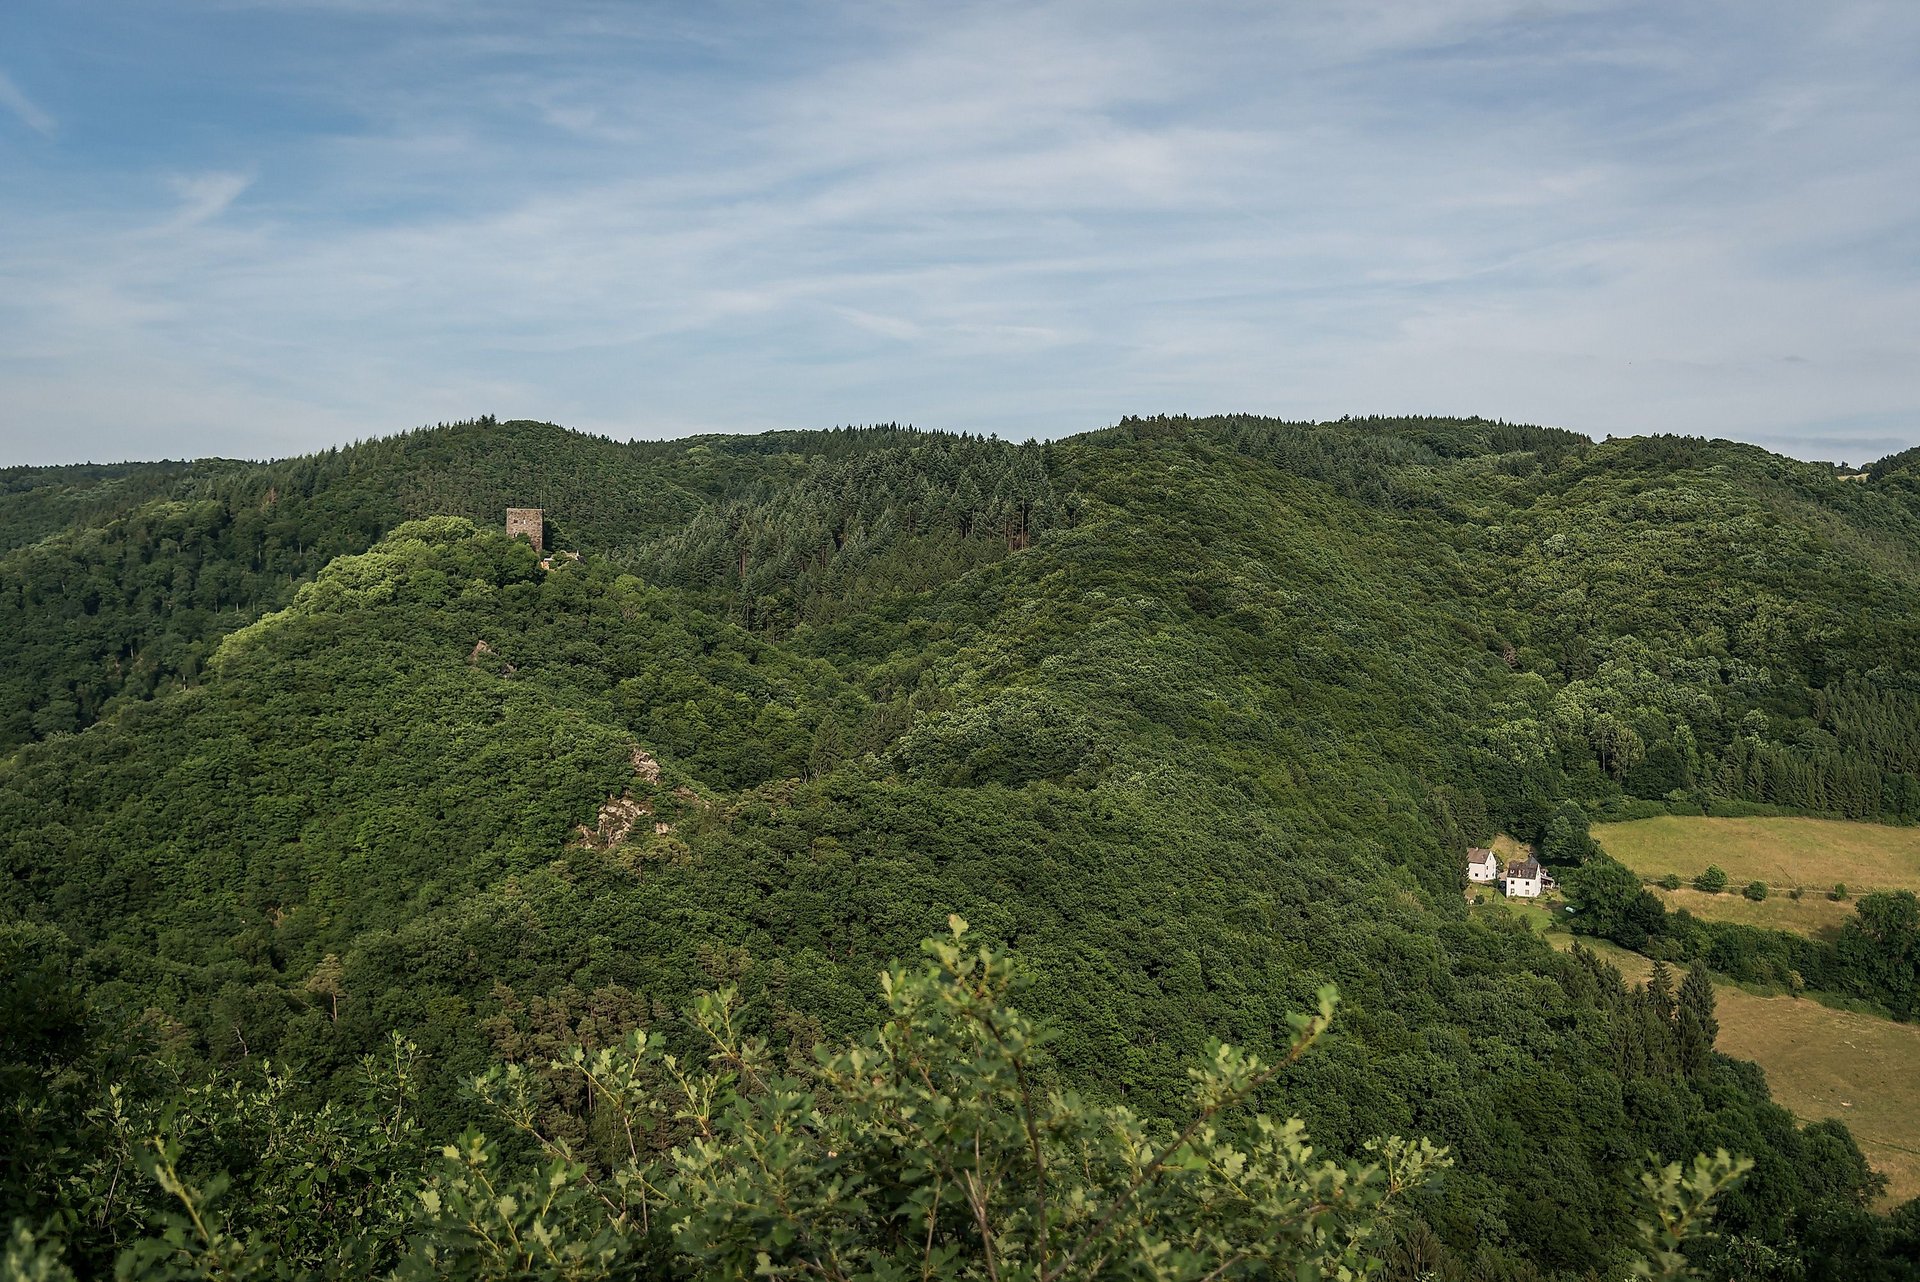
(1660, 990)
(1695, 1020)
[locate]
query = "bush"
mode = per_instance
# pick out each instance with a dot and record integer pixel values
(1713, 880)
(1755, 890)
(1795, 894)
(783, 1177)
(1671, 881)
(1838, 892)
(1732, 808)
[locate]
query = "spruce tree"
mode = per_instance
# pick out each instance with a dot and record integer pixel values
(1697, 1026)
(1660, 990)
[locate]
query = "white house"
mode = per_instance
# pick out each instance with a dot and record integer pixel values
(1526, 879)
(1482, 865)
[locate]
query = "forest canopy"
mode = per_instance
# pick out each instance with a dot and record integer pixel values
(1194, 717)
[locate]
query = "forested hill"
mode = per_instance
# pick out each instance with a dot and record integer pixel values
(118, 582)
(1194, 715)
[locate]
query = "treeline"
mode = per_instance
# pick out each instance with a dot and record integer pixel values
(1876, 956)
(1659, 1030)
(136, 606)
(364, 819)
(1843, 780)
(1879, 724)
(1380, 461)
(38, 501)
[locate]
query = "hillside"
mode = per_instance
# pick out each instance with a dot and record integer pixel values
(1194, 716)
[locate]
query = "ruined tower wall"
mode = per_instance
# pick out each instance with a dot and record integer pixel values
(530, 521)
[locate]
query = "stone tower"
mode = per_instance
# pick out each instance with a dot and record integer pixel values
(530, 521)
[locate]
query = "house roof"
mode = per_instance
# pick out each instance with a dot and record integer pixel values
(1478, 854)
(1526, 869)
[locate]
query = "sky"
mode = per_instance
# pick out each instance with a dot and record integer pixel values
(258, 227)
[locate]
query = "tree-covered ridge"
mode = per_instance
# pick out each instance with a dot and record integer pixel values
(38, 501)
(132, 597)
(1204, 729)
(424, 719)
(891, 517)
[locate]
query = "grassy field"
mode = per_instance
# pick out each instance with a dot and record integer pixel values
(1510, 848)
(1828, 1063)
(1814, 915)
(1537, 915)
(1820, 1063)
(1814, 853)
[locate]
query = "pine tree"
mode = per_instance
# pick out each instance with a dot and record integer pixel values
(1660, 990)
(1697, 1026)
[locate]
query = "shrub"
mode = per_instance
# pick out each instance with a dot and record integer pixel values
(1838, 892)
(1755, 890)
(1713, 880)
(932, 1119)
(1731, 808)
(1795, 893)
(1671, 881)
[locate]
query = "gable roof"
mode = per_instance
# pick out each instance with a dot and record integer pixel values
(1525, 869)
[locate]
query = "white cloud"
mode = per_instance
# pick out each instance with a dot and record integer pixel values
(1025, 218)
(14, 99)
(204, 196)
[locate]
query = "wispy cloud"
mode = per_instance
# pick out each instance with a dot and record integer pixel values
(1033, 218)
(204, 196)
(14, 99)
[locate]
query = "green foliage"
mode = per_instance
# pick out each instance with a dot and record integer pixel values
(164, 560)
(1199, 711)
(1874, 957)
(1881, 944)
(933, 1146)
(48, 1044)
(1695, 1027)
(929, 1145)
(31, 1258)
(1712, 881)
(941, 1153)
(1681, 1199)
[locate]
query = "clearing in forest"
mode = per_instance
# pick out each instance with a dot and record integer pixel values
(1784, 853)
(1820, 1063)
(1813, 915)
(1510, 848)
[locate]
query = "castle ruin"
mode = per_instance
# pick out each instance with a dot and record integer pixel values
(530, 521)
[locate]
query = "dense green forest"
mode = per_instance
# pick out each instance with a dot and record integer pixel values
(1194, 717)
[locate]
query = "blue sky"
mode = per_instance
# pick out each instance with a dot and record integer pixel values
(256, 227)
